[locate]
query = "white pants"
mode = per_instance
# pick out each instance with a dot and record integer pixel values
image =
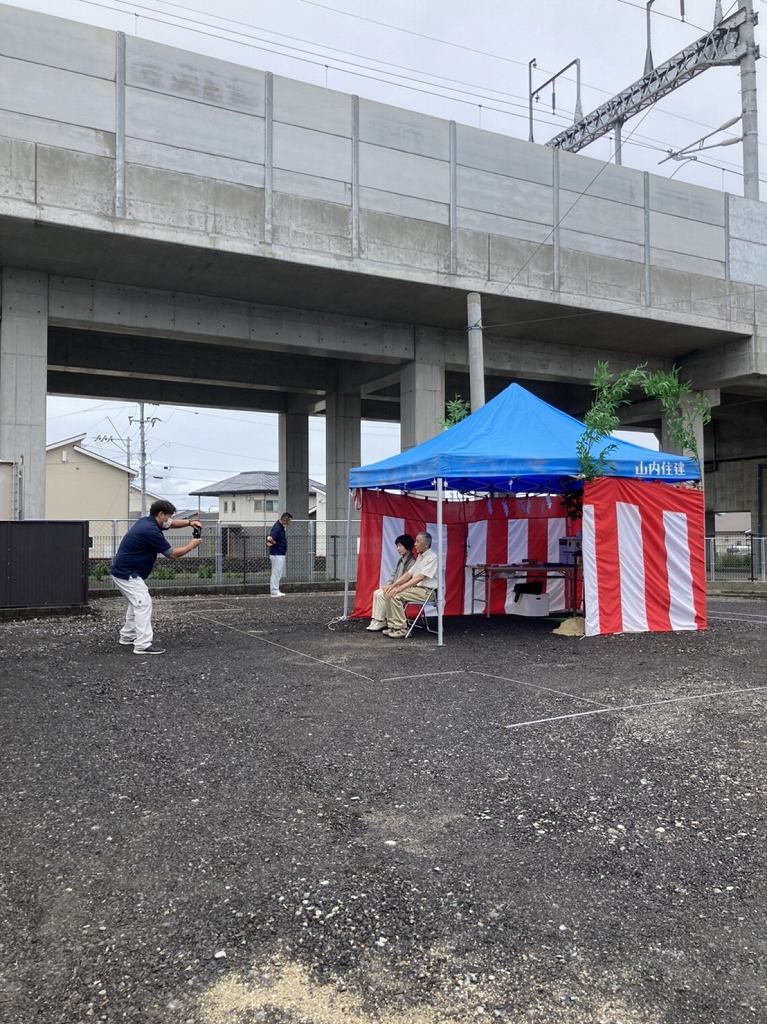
(379, 606)
(138, 618)
(278, 568)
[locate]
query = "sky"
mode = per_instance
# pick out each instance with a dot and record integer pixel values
(465, 62)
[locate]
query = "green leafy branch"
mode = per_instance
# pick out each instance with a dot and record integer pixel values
(456, 409)
(602, 418)
(681, 408)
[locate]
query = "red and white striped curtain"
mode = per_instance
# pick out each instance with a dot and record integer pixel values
(499, 531)
(644, 562)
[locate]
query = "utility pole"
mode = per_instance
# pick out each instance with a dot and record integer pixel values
(142, 421)
(750, 121)
(476, 356)
(142, 458)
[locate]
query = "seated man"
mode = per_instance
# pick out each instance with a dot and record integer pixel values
(414, 585)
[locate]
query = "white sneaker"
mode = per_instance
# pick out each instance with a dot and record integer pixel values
(278, 594)
(376, 625)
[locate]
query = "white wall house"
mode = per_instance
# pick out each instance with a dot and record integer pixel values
(135, 499)
(253, 498)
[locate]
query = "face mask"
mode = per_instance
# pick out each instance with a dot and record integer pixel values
(166, 524)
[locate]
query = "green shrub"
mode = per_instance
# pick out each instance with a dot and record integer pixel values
(733, 561)
(206, 572)
(163, 572)
(100, 571)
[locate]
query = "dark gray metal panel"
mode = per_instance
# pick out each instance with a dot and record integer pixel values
(44, 564)
(5, 539)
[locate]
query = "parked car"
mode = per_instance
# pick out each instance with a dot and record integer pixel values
(738, 549)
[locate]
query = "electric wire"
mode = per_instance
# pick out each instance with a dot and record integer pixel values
(252, 39)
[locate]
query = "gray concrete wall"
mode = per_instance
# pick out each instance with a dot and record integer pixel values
(218, 155)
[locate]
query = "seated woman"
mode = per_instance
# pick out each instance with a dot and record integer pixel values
(406, 558)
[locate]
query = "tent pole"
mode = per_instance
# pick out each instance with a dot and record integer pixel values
(348, 554)
(442, 573)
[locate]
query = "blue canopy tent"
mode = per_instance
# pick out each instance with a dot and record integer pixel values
(516, 443)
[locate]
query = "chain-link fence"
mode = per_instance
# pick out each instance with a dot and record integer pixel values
(234, 554)
(734, 557)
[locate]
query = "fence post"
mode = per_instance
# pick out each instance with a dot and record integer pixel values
(334, 538)
(311, 540)
(218, 554)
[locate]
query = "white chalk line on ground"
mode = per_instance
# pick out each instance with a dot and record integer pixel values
(636, 707)
(421, 675)
(272, 643)
(732, 617)
(545, 689)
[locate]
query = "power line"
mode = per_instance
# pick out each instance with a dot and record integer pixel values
(204, 26)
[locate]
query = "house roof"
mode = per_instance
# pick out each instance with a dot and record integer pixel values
(136, 489)
(515, 443)
(250, 483)
(75, 442)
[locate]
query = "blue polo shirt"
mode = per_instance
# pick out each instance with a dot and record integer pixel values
(139, 549)
(280, 546)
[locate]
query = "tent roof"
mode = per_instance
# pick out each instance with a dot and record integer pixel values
(516, 442)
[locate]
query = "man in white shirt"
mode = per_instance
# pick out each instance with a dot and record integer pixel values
(415, 585)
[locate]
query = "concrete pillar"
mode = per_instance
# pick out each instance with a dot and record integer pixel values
(293, 432)
(24, 381)
(422, 402)
(294, 464)
(343, 415)
(668, 444)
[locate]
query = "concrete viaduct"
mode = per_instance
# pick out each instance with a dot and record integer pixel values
(179, 229)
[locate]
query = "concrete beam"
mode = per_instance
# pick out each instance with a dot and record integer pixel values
(137, 389)
(153, 358)
(98, 306)
(739, 362)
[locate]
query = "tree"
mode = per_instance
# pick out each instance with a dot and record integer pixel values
(456, 409)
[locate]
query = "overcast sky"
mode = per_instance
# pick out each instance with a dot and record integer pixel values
(468, 62)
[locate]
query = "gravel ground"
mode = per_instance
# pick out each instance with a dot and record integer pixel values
(287, 819)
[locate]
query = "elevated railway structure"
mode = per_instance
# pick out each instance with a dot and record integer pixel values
(178, 229)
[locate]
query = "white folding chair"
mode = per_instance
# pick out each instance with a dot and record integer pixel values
(424, 609)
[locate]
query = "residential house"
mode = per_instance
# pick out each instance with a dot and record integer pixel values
(79, 484)
(248, 506)
(253, 498)
(135, 501)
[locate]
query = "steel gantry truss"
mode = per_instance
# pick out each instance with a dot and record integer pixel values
(727, 43)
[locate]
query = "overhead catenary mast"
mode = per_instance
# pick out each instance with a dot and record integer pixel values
(731, 41)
